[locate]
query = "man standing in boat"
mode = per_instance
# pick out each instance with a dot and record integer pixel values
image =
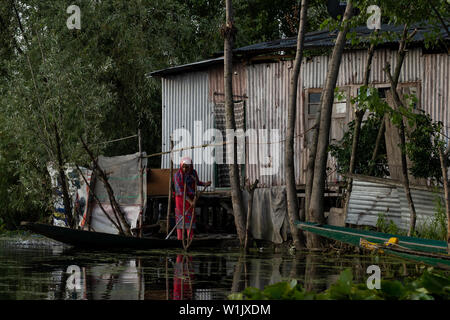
(186, 181)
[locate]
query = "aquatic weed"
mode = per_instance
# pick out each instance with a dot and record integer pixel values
(431, 285)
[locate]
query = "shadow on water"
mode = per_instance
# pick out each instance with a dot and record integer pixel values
(37, 268)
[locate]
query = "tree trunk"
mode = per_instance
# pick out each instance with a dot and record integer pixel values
(291, 190)
(310, 166)
(393, 79)
(412, 209)
(114, 205)
(377, 144)
(236, 194)
(316, 205)
(67, 201)
(92, 195)
(359, 115)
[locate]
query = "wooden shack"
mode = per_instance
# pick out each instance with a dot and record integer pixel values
(194, 93)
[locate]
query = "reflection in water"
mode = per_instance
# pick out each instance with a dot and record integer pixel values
(183, 278)
(39, 271)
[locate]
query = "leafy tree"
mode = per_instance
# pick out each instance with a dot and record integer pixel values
(59, 84)
(422, 149)
(341, 150)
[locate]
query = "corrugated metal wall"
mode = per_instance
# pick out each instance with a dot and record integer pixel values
(216, 83)
(369, 199)
(190, 97)
(266, 109)
(185, 100)
(436, 87)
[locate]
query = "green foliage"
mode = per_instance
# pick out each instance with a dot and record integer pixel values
(388, 226)
(398, 13)
(342, 149)
(436, 226)
(368, 99)
(422, 147)
(93, 82)
(431, 285)
(433, 228)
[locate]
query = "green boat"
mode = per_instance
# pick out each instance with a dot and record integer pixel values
(431, 252)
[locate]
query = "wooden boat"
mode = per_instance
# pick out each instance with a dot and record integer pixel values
(431, 252)
(100, 240)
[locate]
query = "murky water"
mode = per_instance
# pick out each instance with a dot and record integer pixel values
(37, 268)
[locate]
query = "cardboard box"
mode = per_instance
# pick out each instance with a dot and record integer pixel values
(158, 182)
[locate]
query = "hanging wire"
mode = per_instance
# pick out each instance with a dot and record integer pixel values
(221, 144)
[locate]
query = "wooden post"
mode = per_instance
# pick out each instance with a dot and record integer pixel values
(251, 190)
(169, 204)
(90, 202)
(141, 184)
(167, 279)
(183, 211)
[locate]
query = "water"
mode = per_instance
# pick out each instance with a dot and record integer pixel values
(35, 268)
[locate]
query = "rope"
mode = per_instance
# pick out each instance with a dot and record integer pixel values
(375, 237)
(115, 140)
(221, 144)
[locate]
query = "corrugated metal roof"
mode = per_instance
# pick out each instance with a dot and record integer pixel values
(314, 39)
(186, 67)
(326, 39)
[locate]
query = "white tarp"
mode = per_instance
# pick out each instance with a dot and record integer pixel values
(123, 174)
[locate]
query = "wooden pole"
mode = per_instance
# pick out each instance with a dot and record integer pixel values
(183, 211)
(90, 202)
(188, 240)
(141, 184)
(169, 204)
(167, 279)
(251, 190)
(195, 201)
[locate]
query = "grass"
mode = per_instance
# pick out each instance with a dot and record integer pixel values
(434, 228)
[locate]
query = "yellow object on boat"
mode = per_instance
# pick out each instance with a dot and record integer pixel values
(392, 241)
(363, 243)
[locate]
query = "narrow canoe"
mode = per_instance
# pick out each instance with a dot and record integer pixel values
(100, 240)
(431, 252)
